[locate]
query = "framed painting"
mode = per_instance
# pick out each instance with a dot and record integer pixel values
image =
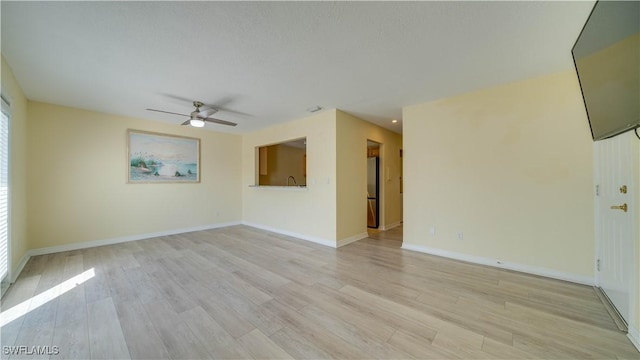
(162, 158)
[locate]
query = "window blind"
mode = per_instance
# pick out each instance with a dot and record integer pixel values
(4, 191)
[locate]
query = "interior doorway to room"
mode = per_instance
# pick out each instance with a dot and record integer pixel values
(373, 184)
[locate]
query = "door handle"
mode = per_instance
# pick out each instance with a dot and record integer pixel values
(622, 207)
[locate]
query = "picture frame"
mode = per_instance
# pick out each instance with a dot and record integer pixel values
(154, 158)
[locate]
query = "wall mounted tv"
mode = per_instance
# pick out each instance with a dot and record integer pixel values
(607, 59)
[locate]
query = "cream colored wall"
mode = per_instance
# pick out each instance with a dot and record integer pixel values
(284, 161)
(78, 191)
(18, 167)
(511, 167)
(309, 212)
(352, 136)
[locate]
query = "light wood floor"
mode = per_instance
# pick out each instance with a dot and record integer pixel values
(240, 292)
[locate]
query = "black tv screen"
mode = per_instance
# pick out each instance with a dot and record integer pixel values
(607, 59)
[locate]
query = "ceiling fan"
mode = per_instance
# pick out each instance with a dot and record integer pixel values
(198, 117)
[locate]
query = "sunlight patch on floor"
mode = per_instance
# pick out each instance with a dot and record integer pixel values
(35, 302)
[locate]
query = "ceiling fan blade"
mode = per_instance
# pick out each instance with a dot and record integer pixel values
(222, 105)
(178, 98)
(233, 111)
(218, 121)
(207, 112)
(188, 122)
(167, 112)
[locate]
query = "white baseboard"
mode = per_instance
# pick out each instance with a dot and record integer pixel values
(352, 239)
(13, 274)
(317, 240)
(23, 261)
(585, 280)
(634, 335)
(390, 226)
(94, 243)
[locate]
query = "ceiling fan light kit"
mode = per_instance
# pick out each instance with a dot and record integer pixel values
(196, 122)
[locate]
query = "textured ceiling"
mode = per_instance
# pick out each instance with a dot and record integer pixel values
(267, 62)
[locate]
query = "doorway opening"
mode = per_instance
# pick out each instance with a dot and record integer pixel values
(373, 184)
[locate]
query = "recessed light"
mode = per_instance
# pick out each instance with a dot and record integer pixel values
(314, 109)
(394, 121)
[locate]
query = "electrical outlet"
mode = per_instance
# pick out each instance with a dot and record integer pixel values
(460, 235)
(432, 231)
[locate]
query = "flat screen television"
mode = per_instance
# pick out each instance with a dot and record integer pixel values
(607, 59)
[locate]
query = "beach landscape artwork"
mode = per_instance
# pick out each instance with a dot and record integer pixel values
(161, 158)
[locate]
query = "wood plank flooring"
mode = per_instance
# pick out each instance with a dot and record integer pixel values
(243, 293)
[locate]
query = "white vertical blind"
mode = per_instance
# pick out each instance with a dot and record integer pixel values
(4, 191)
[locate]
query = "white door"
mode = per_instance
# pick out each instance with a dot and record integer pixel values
(616, 162)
